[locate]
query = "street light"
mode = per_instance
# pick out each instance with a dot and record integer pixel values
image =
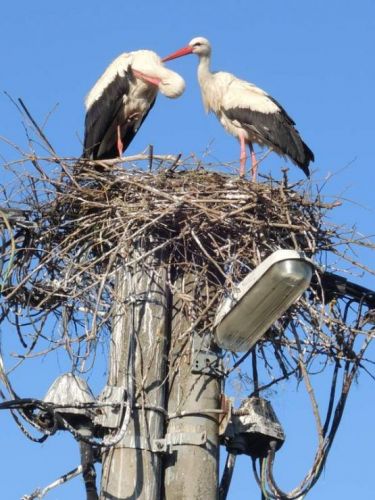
(261, 299)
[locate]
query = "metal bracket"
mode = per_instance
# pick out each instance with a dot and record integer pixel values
(204, 359)
(206, 363)
(136, 442)
(169, 443)
(110, 416)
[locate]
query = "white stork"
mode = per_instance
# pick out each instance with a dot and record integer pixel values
(246, 111)
(121, 99)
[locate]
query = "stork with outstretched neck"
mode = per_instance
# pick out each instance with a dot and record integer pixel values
(121, 99)
(246, 111)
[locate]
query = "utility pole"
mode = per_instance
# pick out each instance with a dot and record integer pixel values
(131, 469)
(142, 326)
(193, 432)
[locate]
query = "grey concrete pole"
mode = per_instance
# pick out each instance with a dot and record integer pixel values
(191, 471)
(131, 470)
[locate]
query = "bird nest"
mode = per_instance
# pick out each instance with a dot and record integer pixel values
(77, 226)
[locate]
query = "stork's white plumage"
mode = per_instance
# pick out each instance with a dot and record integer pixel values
(246, 111)
(121, 99)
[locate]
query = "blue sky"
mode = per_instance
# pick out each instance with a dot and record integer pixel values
(315, 58)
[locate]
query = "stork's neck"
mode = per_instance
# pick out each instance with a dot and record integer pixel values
(204, 71)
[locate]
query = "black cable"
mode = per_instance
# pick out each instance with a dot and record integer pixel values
(338, 286)
(255, 373)
(241, 360)
(331, 398)
(88, 469)
(226, 478)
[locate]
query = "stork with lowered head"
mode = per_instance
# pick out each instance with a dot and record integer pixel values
(121, 99)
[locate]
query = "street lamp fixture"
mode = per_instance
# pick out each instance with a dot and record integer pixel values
(262, 298)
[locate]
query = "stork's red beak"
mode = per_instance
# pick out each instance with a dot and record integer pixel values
(179, 53)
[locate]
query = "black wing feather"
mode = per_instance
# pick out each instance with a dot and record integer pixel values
(102, 116)
(276, 130)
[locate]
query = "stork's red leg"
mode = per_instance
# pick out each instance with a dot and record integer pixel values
(254, 163)
(120, 145)
(242, 154)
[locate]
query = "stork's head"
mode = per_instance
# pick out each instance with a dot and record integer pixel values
(199, 45)
(147, 66)
(171, 84)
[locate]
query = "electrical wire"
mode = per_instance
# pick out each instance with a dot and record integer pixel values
(226, 478)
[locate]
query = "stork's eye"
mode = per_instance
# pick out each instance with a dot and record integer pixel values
(197, 44)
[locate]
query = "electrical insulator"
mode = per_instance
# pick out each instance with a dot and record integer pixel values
(71, 394)
(252, 428)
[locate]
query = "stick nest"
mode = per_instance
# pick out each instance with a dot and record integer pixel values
(76, 227)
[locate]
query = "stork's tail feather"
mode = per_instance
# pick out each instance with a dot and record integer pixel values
(303, 160)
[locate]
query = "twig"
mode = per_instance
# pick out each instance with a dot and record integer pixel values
(42, 492)
(39, 130)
